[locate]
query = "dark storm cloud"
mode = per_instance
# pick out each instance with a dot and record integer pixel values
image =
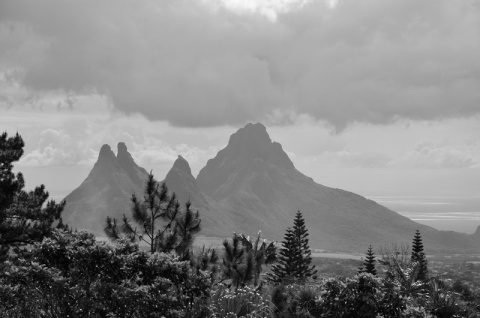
(196, 64)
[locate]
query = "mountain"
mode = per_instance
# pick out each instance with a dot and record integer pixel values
(106, 191)
(215, 222)
(260, 187)
(252, 185)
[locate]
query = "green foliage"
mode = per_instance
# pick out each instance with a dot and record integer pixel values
(304, 270)
(369, 263)
(295, 255)
(157, 206)
(72, 275)
(361, 296)
(25, 217)
(243, 302)
(243, 259)
(285, 269)
(418, 256)
(295, 300)
(406, 275)
(205, 260)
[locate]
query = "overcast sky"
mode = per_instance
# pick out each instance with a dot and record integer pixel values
(372, 96)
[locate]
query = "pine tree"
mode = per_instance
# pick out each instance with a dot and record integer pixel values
(157, 207)
(286, 268)
(300, 231)
(24, 216)
(418, 256)
(369, 262)
(295, 255)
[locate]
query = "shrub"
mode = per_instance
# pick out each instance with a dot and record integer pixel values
(70, 274)
(361, 296)
(243, 302)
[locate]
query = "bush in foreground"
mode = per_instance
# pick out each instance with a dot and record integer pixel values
(72, 275)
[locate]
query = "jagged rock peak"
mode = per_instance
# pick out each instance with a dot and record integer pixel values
(106, 154)
(121, 148)
(251, 134)
(122, 153)
(253, 141)
(182, 164)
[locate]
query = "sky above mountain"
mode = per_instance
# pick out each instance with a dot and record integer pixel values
(374, 96)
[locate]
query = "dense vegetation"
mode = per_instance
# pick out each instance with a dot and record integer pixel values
(47, 270)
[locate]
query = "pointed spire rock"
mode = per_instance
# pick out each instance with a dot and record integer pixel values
(126, 162)
(123, 156)
(182, 165)
(106, 162)
(181, 181)
(106, 154)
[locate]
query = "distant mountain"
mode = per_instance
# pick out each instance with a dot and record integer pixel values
(106, 191)
(215, 222)
(253, 185)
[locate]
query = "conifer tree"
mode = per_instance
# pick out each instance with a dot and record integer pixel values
(24, 216)
(295, 255)
(300, 231)
(369, 262)
(157, 207)
(418, 256)
(286, 268)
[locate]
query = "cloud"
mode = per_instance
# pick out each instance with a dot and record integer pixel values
(58, 148)
(346, 158)
(432, 155)
(194, 63)
(76, 141)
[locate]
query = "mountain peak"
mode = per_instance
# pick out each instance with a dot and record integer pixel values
(249, 155)
(106, 154)
(253, 142)
(122, 153)
(126, 162)
(251, 136)
(182, 164)
(180, 180)
(122, 147)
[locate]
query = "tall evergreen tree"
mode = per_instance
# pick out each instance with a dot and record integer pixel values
(24, 216)
(418, 256)
(300, 231)
(286, 268)
(157, 207)
(369, 262)
(295, 255)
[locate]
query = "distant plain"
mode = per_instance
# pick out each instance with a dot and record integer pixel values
(451, 213)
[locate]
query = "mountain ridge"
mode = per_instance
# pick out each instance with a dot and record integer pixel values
(106, 191)
(252, 185)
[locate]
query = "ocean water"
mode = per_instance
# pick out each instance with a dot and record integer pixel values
(453, 213)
